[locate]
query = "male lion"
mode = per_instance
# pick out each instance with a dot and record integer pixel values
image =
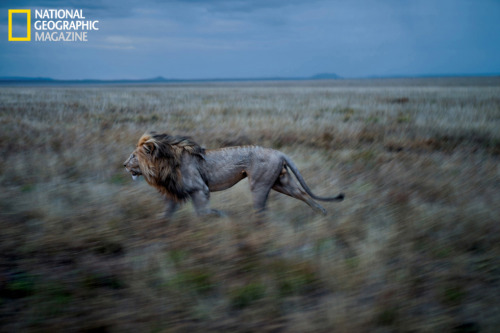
(180, 169)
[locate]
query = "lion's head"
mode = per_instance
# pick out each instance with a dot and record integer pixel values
(132, 166)
(158, 158)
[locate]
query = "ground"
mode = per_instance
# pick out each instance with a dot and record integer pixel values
(415, 245)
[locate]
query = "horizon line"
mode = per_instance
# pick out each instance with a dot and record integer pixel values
(316, 77)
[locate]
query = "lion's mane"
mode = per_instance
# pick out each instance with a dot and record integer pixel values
(160, 158)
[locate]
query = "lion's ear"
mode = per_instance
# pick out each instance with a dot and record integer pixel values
(149, 147)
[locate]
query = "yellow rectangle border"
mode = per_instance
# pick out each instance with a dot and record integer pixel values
(28, 24)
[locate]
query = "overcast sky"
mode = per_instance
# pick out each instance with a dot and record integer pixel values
(262, 38)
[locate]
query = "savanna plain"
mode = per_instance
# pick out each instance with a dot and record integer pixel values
(414, 247)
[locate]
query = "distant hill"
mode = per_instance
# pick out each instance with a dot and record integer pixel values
(17, 80)
(325, 76)
(159, 79)
(42, 80)
(20, 78)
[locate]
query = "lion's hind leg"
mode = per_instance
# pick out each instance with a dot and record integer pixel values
(259, 196)
(286, 185)
(261, 181)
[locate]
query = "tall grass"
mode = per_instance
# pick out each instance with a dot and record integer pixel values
(413, 247)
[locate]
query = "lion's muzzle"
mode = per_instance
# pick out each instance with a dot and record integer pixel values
(132, 166)
(134, 174)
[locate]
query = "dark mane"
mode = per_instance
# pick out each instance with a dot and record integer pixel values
(160, 159)
(165, 142)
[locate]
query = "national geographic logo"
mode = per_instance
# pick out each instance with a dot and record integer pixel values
(28, 24)
(50, 25)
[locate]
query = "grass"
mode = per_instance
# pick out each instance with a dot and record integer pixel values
(413, 247)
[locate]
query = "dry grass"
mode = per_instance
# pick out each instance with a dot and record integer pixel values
(414, 247)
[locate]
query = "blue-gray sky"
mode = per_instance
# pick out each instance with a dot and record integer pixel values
(263, 38)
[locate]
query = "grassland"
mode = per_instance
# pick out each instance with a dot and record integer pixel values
(414, 247)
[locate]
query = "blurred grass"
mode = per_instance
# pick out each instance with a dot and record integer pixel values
(414, 247)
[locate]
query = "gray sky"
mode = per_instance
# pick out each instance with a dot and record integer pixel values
(262, 38)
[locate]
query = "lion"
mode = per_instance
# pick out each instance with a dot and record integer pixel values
(182, 170)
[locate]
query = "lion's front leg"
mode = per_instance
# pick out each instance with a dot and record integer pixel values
(171, 208)
(201, 203)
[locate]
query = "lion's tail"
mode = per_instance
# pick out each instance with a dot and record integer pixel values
(306, 188)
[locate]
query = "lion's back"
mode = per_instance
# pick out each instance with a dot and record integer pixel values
(239, 155)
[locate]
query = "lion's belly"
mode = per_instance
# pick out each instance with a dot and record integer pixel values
(224, 179)
(225, 167)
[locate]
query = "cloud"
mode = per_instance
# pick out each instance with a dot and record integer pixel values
(117, 42)
(246, 6)
(225, 38)
(100, 8)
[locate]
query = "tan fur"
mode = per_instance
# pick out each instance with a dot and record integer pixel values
(180, 169)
